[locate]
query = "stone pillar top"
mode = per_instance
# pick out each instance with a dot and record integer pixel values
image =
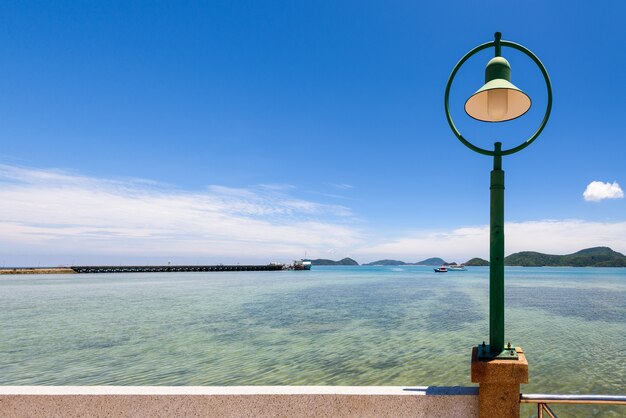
(500, 371)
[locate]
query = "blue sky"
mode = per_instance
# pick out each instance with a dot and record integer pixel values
(232, 131)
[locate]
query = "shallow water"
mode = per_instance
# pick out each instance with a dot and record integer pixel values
(328, 326)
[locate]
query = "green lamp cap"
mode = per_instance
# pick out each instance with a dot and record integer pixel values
(498, 67)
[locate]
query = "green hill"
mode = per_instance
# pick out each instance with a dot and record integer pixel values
(590, 257)
(324, 262)
(386, 263)
(435, 261)
(477, 262)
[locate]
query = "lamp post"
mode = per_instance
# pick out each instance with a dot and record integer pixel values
(498, 100)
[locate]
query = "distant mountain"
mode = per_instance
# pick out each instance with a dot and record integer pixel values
(590, 257)
(435, 261)
(477, 262)
(386, 263)
(324, 262)
(428, 262)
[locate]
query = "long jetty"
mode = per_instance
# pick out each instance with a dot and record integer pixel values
(168, 268)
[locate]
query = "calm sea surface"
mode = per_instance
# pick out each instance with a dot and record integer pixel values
(327, 326)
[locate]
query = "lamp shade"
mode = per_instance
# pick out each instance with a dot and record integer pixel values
(498, 100)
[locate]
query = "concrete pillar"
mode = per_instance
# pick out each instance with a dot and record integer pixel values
(499, 380)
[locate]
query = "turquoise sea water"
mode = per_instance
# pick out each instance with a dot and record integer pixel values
(328, 326)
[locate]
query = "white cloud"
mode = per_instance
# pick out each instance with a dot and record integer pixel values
(597, 190)
(56, 212)
(64, 217)
(548, 236)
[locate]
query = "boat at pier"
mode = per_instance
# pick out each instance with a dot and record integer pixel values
(301, 265)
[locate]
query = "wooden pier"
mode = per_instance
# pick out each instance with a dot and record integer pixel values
(168, 268)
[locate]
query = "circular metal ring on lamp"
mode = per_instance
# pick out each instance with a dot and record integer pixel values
(548, 107)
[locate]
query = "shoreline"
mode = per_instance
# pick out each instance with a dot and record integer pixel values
(148, 269)
(37, 270)
(157, 269)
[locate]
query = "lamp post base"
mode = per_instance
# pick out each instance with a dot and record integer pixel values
(499, 392)
(485, 354)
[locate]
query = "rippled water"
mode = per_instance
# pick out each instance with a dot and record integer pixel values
(327, 326)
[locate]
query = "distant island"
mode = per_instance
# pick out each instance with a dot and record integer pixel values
(477, 262)
(324, 262)
(590, 257)
(386, 263)
(435, 261)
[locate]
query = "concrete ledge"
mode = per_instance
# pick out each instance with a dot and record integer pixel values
(238, 401)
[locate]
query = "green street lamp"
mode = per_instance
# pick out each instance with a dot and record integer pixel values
(498, 100)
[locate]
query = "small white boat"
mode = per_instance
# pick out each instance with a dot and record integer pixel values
(460, 267)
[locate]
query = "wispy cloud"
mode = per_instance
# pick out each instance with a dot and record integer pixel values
(57, 212)
(342, 186)
(597, 190)
(72, 217)
(549, 236)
